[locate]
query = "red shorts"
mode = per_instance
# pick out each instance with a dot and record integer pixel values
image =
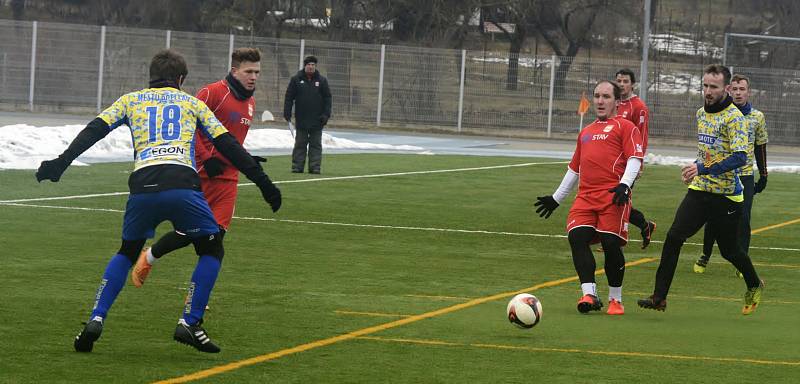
(221, 197)
(595, 210)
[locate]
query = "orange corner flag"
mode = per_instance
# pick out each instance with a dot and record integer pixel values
(583, 107)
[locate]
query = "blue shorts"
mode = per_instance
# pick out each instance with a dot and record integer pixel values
(187, 209)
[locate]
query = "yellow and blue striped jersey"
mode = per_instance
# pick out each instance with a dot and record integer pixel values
(757, 135)
(719, 135)
(163, 124)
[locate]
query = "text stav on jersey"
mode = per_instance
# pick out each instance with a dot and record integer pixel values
(602, 153)
(236, 115)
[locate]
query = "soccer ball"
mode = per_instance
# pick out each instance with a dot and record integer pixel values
(524, 310)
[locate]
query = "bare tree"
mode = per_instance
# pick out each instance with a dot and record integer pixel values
(566, 26)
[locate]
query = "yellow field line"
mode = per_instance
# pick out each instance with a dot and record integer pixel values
(590, 352)
(366, 331)
(767, 228)
(374, 314)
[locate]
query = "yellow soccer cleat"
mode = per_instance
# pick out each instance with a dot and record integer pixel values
(751, 298)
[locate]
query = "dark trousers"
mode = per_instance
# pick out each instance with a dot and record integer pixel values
(744, 222)
(697, 209)
(310, 142)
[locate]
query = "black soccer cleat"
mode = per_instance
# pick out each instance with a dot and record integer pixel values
(647, 233)
(84, 342)
(195, 336)
(653, 303)
(589, 303)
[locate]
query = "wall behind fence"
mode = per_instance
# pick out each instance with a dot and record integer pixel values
(396, 87)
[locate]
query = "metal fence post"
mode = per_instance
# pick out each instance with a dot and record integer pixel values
(33, 64)
(302, 51)
(169, 38)
(645, 55)
(100, 68)
(461, 88)
(380, 83)
(552, 91)
(230, 52)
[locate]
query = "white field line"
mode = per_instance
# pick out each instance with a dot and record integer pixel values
(378, 226)
(307, 180)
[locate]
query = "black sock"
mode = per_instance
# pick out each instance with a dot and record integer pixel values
(637, 218)
(582, 258)
(168, 243)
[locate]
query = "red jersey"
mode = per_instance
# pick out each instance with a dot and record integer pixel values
(637, 113)
(602, 153)
(234, 114)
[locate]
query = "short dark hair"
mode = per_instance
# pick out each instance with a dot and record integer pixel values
(309, 59)
(168, 65)
(626, 72)
(240, 55)
(615, 86)
(719, 69)
(738, 78)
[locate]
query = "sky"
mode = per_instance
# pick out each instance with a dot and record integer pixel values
(26, 146)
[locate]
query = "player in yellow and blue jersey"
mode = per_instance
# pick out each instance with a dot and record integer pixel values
(164, 186)
(715, 191)
(756, 153)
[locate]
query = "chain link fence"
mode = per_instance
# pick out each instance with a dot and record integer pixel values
(58, 67)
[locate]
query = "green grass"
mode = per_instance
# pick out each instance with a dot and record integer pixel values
(290, 283)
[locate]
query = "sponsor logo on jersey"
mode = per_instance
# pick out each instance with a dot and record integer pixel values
(161, 151)
(639, 148)
(249, 110)
(706, 139)
(316, 83)
(599, 136)
(608, 128)
(625, 114)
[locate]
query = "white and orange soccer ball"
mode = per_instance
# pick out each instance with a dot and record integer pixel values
(524, 310)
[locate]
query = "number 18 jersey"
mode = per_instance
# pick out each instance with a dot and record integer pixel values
(163, 124)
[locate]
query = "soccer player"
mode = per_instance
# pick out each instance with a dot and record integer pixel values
(607, 159)
(756, 149)
(231, 100)
(164, 185)
(631, 107)
(715, 191)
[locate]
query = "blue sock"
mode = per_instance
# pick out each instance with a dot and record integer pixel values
(113, 281)
(203, 279)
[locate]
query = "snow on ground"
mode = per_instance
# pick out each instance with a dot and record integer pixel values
(26, 146)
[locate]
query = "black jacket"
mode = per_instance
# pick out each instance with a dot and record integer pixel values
(311, 99)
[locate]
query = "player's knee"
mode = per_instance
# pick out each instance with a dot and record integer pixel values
(580, 235)
(610, 241)
(210, 245)
(131, 248)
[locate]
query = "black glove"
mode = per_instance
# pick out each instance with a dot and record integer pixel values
(622, 193)
(323, 119)
(51, 169)
(761, 184)
(546, 204)
(288, 118)
(270, 193)
(214, 167)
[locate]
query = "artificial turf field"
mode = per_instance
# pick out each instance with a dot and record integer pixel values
(399, 278)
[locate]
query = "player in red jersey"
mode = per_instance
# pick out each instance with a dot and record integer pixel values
(231, 99)
(631, 107)
(610, 150)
